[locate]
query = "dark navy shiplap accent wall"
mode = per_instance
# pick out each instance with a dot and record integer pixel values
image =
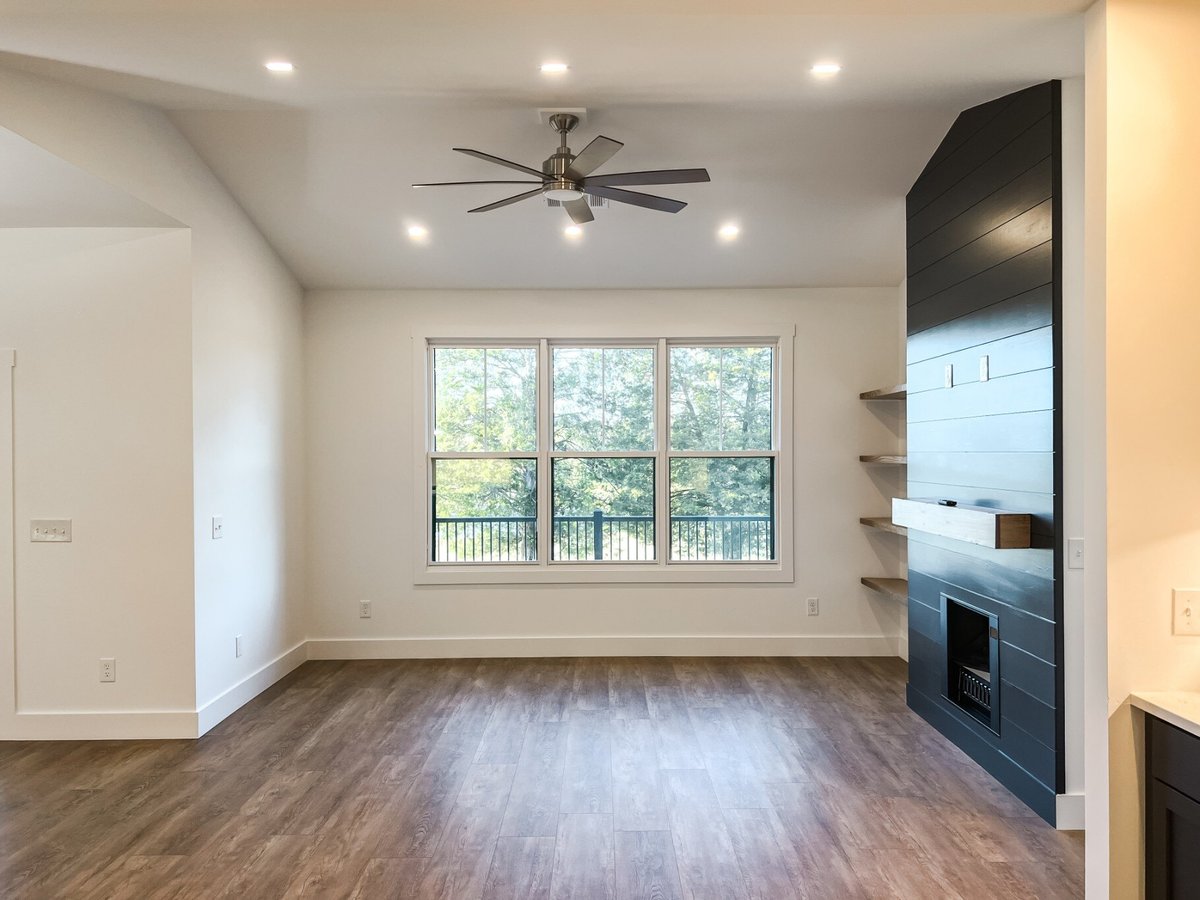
(984, 279)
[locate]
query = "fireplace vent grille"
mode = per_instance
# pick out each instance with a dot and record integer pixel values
(974, 688)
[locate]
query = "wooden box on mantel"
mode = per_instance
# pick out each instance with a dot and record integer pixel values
(974, 524)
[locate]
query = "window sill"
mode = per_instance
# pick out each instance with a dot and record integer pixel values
(602, 573)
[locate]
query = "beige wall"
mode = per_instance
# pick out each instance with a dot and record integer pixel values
(1153, 367)
(100, 320)
(361, 485)
(245, 356)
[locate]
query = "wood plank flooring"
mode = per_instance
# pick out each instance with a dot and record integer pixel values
(720, 779)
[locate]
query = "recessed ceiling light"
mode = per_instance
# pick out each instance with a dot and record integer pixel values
(728, 232)
(553, 68)
(279, 65)
(418, 232)
(826, 68)
(573, 231)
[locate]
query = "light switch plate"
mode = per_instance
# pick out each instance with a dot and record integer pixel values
(1075, 553)
(218, 527)
(50, 531)
(1187, 612)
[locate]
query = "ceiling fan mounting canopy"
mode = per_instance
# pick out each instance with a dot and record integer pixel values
(568, 179)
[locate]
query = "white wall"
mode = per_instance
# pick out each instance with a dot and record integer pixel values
(245, 322)
(102, 424)
(359, 419)
(249, 459)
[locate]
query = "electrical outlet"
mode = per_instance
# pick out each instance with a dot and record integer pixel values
(1187, 612)
(50, 531)
(108, 669)
(218, 527)
(814, 606)
(364, 609)
(237, 646)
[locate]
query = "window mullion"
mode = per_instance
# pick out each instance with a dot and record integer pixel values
(545, 442)
(662, 442)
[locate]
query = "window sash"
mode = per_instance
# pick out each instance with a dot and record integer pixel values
(656, 437)
(779, 568)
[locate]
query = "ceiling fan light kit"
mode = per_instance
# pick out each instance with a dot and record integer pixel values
(566, 179)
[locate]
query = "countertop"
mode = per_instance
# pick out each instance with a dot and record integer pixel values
(1179, 708)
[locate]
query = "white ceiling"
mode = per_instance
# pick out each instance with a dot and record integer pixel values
(814, 171)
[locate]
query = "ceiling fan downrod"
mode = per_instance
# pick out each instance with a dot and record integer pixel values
(561, 187)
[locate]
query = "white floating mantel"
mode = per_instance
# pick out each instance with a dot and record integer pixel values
(974, 524)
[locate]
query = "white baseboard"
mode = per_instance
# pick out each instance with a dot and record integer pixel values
(175, 724)
(99, 726)
(1068, 812)
(230, 701)
(683, 645)
(149, 725)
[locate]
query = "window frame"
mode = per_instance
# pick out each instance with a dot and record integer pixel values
(662, 568)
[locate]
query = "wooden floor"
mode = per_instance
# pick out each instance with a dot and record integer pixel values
(531, 779)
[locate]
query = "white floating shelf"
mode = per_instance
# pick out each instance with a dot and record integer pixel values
(980, 525)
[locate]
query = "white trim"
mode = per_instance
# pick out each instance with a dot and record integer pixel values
(484, 454)
(725, 454)
(604, 645)
(230, 701)
(47, 725)
(604, 572)
(545, 442)
(615, 335)
(103, 726)
(188, 724)
(662, 569)
(1069, 812)
(662, 441)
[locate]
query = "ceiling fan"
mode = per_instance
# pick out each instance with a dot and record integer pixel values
(568, 178)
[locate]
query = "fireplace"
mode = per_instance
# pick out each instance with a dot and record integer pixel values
(990, 442)
(972, 642)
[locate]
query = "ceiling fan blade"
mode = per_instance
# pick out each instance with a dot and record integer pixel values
(487, 157)
(455, 183)
(499, 203)
(579, 211)
(592, 157)
(659, 176)
(649, 201)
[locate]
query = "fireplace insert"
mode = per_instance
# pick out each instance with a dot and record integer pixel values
(972, 641)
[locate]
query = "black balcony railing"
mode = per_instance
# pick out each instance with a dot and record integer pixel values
(596, 537)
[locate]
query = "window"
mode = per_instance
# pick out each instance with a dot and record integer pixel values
(554, 458)
(603, 404)
(483, 476)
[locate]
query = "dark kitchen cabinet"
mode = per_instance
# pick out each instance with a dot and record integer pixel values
(1172, 812)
